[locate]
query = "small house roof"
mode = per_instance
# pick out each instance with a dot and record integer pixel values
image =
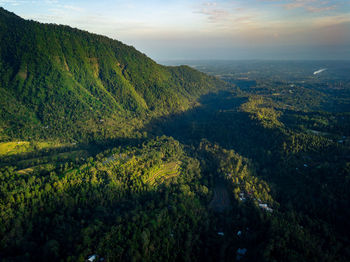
(92, 258)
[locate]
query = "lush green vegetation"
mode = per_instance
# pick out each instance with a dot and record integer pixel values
(60, 82)
(105, 152)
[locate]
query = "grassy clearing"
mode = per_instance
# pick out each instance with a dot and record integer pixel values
(49, 162)
(60, 157)
(38, 168)
(12, 148)
(19, 147)
(165, 171)
(26, 171)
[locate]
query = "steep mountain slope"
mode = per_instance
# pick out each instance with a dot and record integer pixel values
(60, 82)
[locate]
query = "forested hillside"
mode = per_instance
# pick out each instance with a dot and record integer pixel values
(60, 82)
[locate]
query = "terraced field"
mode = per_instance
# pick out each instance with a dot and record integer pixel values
(166, 171)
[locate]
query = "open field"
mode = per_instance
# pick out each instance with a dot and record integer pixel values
(19, 147)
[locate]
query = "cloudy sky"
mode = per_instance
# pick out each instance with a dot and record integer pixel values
(195, 29)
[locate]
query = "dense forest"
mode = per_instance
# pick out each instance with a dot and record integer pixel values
(106, 155)
(60, 82)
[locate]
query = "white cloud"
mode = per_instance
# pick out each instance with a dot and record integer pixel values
(315, 9)
(73, 8)
(214, 15)
(314, 6)
(12, 2)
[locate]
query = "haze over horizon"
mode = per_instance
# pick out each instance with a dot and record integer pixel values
(191, 29)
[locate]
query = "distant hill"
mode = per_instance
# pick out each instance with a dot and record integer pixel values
(61, 82)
